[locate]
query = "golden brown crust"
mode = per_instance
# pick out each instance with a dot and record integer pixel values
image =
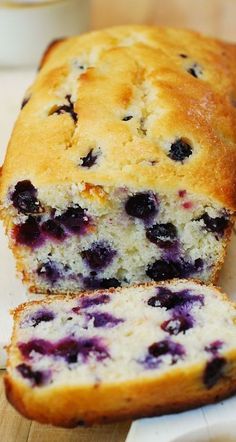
(138, 69)
(50, 48)
(69, 407)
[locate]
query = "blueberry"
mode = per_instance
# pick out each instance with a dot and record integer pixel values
(24, 197)
(98, 256)
(177, 324)
(74, 219)
(195, 71)
(213, 371)
(37, 377)
(53, 229)
(189, 268)
(28, 233)
(89, 160)
(39, 346)
(70, 349)
(161, 232)
(161, 270)
(166, 347)
(104, 319)
(41, 316)
(25, 101)
(214, 347)
(215, 225)
(67, 108)
(50, 270)
(142, 205)
(107, 283)
(92, 282)
(168, 299)
(180, 150)
(127, 118)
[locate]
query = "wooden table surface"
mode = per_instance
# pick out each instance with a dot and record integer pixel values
(214, 17)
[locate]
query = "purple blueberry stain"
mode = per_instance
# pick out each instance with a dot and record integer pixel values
(74, 219)
(51, 271)
(142, 205)
(36, 377)
(99, 256)
(91, 301)
(39, 346)
(24, 198)
(53, 230)
(180, 150)
(38, 317)
(80, 350)
(101, 319)
(213, 371)
(166, 298)
(67, 108)
(28, 233)
(158, 350)
(89, 160)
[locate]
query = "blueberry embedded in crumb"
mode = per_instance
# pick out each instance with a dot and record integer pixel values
(92, 282)
(180, 150)
(213, 371)
(178, 324)
(28, 233)
(162, 348)
(195, 70)
(215, 225)
(161, 270)
(142, 205)
(53, 229)
(67, 108)
(89, 160)
(74, 219)
(127, 118)
(161, 232)
(36, 377)
(100, 255)
(180, 300)
(24, 198)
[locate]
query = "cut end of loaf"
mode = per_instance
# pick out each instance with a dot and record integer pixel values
(89, 237)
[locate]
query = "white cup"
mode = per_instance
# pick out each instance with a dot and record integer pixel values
(28, 26)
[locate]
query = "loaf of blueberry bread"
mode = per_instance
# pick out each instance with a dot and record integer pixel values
(121, 166)
(122, 353)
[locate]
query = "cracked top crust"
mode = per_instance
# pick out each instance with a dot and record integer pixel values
(107, 107)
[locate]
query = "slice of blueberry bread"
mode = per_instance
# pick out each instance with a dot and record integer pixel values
(121, 166)
(122, 353)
